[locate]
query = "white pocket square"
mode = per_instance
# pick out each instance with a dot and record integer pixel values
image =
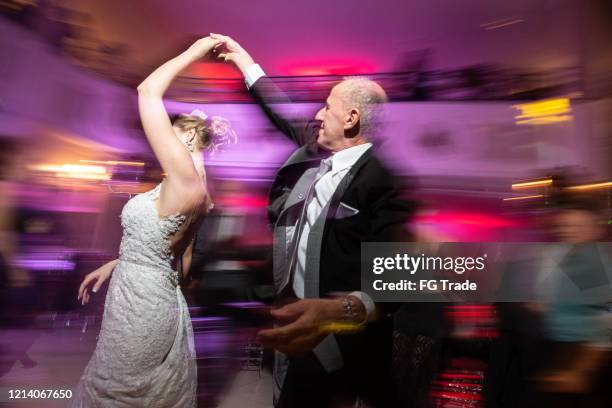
(345, 211)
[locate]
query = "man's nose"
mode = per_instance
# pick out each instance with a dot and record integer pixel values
(319, 115)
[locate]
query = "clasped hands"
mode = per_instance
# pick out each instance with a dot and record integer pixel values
(221, 47)
(305, 323)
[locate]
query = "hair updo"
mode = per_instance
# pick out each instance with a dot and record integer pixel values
(203, 131)
(212, 134)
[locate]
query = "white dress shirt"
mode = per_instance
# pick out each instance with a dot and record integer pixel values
(325, 187)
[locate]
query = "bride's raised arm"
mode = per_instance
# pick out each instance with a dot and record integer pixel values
(171, 154)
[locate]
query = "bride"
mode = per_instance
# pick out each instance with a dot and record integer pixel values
(145, 353)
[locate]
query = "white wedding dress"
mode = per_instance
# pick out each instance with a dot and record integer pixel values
(145, 355)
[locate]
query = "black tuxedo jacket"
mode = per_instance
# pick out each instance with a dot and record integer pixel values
(372, 189)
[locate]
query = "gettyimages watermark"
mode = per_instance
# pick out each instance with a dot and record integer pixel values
(487, 272)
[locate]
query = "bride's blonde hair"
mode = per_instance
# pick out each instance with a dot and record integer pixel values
(212, 133)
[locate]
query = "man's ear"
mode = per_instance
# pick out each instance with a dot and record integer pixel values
(352, 118)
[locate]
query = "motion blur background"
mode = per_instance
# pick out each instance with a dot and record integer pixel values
(490, 102)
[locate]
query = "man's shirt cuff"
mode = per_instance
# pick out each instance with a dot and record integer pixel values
(367, 301)
(252, 74)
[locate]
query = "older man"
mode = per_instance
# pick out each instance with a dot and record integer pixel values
(331, 195)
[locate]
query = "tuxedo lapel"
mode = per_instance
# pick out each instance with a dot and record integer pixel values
(285, 229)
(287, 177)
(298, 193)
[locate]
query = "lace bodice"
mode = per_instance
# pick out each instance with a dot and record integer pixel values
(145, 235)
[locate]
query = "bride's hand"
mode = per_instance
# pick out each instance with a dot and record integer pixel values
(99, 276)
(203, 46)
(229, 50)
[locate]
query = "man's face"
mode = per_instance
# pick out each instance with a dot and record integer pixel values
(333, 120)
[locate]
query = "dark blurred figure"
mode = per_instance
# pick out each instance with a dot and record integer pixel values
(419, 338)
(231, 256)
(16, 283)
(48, 18)
(231, 248)
(555, 352)
(577, 320)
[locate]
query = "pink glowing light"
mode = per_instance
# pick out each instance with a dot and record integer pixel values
(329, 66)
(213, 70)
(476, 220)
(466, 226)
(243, 201)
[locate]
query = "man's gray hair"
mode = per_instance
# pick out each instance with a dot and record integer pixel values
(367, 96)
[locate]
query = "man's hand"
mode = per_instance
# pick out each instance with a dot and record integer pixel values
(305, 324)
(230, 50)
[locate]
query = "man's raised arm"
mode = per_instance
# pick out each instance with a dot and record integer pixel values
(299, 129)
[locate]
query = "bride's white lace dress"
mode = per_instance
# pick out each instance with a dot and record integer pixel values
(145, 354)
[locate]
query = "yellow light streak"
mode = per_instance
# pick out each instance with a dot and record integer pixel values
(524, 197)
(530, 184)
